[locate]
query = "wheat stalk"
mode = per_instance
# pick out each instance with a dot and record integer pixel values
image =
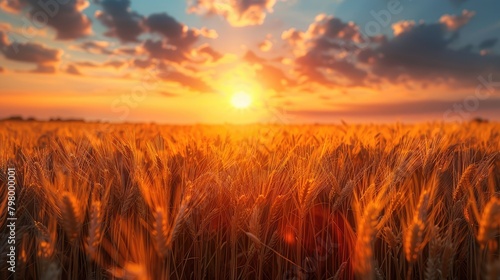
(71, 215)
(363, 256)
(490, 221)
(413, 240)
(465, 182)
(95, 228)
(160, 232)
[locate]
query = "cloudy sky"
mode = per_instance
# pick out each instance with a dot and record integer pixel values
(298, 61)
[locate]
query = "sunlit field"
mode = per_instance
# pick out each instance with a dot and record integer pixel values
(97, 201)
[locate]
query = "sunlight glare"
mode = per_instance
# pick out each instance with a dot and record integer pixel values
(241, 100)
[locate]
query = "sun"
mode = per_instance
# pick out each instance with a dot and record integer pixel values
(241, 100)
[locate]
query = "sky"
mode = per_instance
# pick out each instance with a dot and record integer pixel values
(248, 61)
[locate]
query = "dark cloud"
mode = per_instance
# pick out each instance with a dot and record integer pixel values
(330, 27)
(28, 52)
(488, 43)
(165, 25)
(87, 64)
(66, 18)
(109, 63)
(175, 33)
(316, 61)
(178, 44)
(96, 47)
(127, 51)
(333, 53)
(72, 69)
(43, 57)
(323, 51)
(123, 23)
(236, 12)
(425, 53)
(163, 51)
(31, 52)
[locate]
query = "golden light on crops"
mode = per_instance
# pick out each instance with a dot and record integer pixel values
(241, 100)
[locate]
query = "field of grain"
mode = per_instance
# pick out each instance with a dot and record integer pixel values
(97, 201)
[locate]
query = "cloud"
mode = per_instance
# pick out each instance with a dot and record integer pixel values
(265, 45)
(110, 63)
(269, 76)
(72, 69)
(406, 108)
(12, 6)
(331, 27)
(163, 51)
(332, 52)
(142, 63)
(127, 51)
(178, 44)
(314, 65)
(44, 69)
(251, 57)
(165, 25)
(208, 33)
(87, 64)
(322, 52)
(95, 47)
(236, 12)
(455, 22)
(488, 43)
(175, 33)
(210, 52)
(123, 23)
(189, 81)
(4, 40)
(66, 18)
(114, 63)
(402, 26)
(28, 52)
(1, 69)
(43, 57)
(5, 26)
(293, 36)
(425, 54)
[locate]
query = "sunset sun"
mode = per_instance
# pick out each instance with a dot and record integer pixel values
(241, 100)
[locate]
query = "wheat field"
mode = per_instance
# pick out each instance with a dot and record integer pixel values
(146, 201)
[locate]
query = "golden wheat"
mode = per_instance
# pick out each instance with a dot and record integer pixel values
(147, 201)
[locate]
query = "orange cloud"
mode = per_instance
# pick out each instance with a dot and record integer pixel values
(455, 22)
(265, 45)
(236, 12)
(402, 26)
